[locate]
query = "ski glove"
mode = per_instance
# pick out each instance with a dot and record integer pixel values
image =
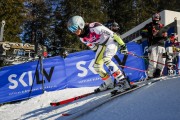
(94, 48)
(123, 49)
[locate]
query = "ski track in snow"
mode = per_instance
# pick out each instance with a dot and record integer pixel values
(38, 108)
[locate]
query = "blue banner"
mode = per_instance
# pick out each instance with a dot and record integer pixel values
(76, 70)
(79, 67)
(145, 47)
(16, 81)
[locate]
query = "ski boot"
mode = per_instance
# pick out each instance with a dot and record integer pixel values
(104, 86)
(121, 86)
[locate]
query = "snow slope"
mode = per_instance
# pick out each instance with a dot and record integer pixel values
(158, 101)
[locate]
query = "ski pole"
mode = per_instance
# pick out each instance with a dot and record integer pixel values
(33, 79)
(132, 68)
(130, 53)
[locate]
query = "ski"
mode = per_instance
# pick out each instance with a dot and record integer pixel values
(108, 98)
(63, 102)
(115, 92)
(67, 101)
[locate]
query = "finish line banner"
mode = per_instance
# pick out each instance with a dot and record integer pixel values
(25, 80)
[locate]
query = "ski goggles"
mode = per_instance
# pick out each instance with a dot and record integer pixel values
(73, 28)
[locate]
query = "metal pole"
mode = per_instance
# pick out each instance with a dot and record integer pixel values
(42, 73)
(2, 30)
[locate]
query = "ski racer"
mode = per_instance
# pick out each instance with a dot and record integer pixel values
(105, 43)
(156, 47)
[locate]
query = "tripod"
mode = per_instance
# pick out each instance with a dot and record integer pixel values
(40, 61)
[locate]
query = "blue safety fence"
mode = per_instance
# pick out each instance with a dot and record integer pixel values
(74, 71)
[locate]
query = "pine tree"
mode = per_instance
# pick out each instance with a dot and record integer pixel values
(12, 11)
(169, 5)
(122, 12)
(37, 22)
(90, 10)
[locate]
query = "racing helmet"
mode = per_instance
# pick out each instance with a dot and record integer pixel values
(74, 23)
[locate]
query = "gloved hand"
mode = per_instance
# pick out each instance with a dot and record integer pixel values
(123, 49)
(94, 48)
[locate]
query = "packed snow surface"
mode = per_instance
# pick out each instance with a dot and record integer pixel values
(158, 101)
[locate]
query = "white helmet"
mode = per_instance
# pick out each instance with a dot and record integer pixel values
(75, 23)
(156, 17)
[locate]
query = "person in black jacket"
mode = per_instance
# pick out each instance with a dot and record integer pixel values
(156, 37)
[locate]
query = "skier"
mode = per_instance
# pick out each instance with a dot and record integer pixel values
(105, 43)
(156, 46)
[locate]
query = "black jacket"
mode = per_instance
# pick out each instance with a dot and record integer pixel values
(149, 31)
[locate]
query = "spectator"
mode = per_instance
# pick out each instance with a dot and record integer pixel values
(65, 54)
(171, 50)
(156, 46)
(112, 25)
